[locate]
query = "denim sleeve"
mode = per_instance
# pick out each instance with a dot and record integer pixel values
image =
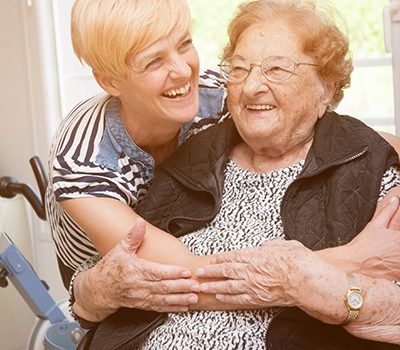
(211, 101)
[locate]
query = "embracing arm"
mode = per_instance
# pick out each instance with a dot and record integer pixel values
(285, 273)
(146, 271)
(122, 278)
(362, 254)
(112, 292)
(322, 297)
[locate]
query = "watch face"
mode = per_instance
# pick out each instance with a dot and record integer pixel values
(355, 300)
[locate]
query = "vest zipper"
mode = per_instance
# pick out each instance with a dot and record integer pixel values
(188, 218)
(341, 162)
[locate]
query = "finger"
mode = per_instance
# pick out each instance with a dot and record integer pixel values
(174, 286)
(233, 270)
(175, 300)
(173, 309)
(243, 255)
(237, 299)
(159, 300)
(156, 272)
(224, 287)
(386, 214)
(134, 238)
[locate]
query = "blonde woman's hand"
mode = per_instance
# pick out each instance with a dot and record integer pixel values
(377, 248)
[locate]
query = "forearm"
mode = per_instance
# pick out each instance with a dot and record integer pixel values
(377, 258)
(341, 258)
(382, 333)
(100, 291)
(86, 306)
(375, 251)
(164, 248)
(379, 318)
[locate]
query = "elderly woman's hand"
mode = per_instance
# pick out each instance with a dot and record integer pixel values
(279, 273)
(270, 275)
(121, 279)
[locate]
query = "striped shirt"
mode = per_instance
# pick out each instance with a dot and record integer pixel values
(92, 155)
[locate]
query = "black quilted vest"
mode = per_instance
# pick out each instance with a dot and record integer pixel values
(327, 205)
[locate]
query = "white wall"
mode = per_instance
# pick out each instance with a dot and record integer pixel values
(27, 103)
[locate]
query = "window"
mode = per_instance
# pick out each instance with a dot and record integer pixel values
(370, 97)
(75, 80)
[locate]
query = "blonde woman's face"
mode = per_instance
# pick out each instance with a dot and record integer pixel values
(281, 114)
(163, 86)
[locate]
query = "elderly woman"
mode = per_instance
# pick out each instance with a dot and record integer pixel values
(285, 167)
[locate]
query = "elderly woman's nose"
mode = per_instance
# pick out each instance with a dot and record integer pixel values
(255, 82)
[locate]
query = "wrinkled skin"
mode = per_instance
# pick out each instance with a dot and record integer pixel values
(280, 273)
(266, 276)
(380, 260)
(125, 280)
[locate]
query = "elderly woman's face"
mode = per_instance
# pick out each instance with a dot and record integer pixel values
(278, 113)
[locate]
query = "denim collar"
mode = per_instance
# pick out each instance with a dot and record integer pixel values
(117, 127)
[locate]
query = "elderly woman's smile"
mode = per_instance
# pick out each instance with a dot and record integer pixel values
(260, 107)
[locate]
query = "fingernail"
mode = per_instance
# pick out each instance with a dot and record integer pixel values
(394, 199)
(186, 274)
(192, 299)
(200, 271)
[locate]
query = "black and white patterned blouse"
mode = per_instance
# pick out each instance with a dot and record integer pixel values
(249, 215)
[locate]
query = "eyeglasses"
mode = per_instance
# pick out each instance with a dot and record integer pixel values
(274, 68)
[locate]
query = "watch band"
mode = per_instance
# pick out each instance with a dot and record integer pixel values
(353, 288)
(351, 317)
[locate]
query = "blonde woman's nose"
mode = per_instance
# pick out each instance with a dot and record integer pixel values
(180, 68)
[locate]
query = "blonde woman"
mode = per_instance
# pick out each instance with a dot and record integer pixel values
(104, 153)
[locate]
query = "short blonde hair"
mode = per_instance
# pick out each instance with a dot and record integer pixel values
(320, 37)
(106, 32)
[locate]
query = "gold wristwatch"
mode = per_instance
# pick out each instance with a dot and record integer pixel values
(354, 300)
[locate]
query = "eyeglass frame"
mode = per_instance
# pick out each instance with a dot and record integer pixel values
(252, 65)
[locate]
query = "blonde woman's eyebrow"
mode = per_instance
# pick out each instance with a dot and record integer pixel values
(158, 52)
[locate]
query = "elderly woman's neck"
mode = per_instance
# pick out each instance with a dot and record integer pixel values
(265, 159)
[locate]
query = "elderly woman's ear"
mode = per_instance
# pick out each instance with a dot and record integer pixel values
(327, 96)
